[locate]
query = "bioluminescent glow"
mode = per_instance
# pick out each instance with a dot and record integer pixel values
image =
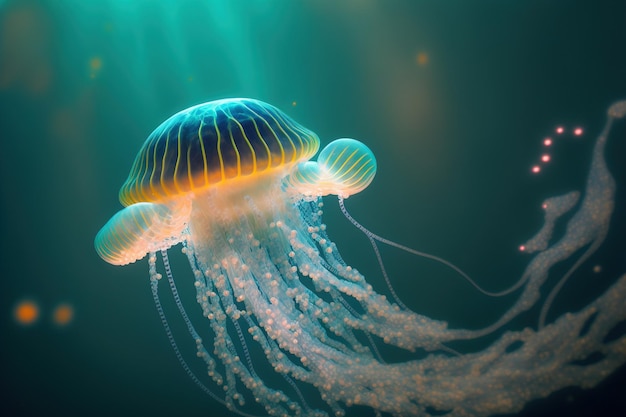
(232, 181)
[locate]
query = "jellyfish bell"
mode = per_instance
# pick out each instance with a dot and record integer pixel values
(142, 228)
(216, 143)
(344, 167)
(221, 150)
(233, 182)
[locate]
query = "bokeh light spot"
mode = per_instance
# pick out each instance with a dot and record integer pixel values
(422, 59)
(26, 312)
(95, 65)
(25, 45)
(63, 314)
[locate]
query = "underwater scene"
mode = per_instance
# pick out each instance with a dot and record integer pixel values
(313, 208)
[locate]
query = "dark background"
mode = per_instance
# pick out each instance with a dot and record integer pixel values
(453, 97)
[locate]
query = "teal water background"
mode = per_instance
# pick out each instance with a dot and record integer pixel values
(454, 99)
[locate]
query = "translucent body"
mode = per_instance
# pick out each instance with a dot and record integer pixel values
(271, 284)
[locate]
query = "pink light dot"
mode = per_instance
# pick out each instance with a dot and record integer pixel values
(547, 141)
(544, 206)
(560, 130)
(578, 131)
(535, 169)
(522, 248)
(545, 158)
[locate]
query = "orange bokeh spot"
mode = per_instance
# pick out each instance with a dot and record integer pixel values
(95, 65)
(25, 37)
(63, 314)
(26, 312)
(422, 59)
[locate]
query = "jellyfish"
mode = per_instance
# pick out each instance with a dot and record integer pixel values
(234, 183)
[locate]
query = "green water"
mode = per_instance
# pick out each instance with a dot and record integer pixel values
(454, 98)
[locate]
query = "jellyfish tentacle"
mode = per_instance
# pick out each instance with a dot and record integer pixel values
(213, 282)
(155, 277)
(179, 304)
(559, 285)
(373, 237)
(372, 344)
(294, 386)
(591, 222)
(202, 352)
(617, 110)
(244, 347)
